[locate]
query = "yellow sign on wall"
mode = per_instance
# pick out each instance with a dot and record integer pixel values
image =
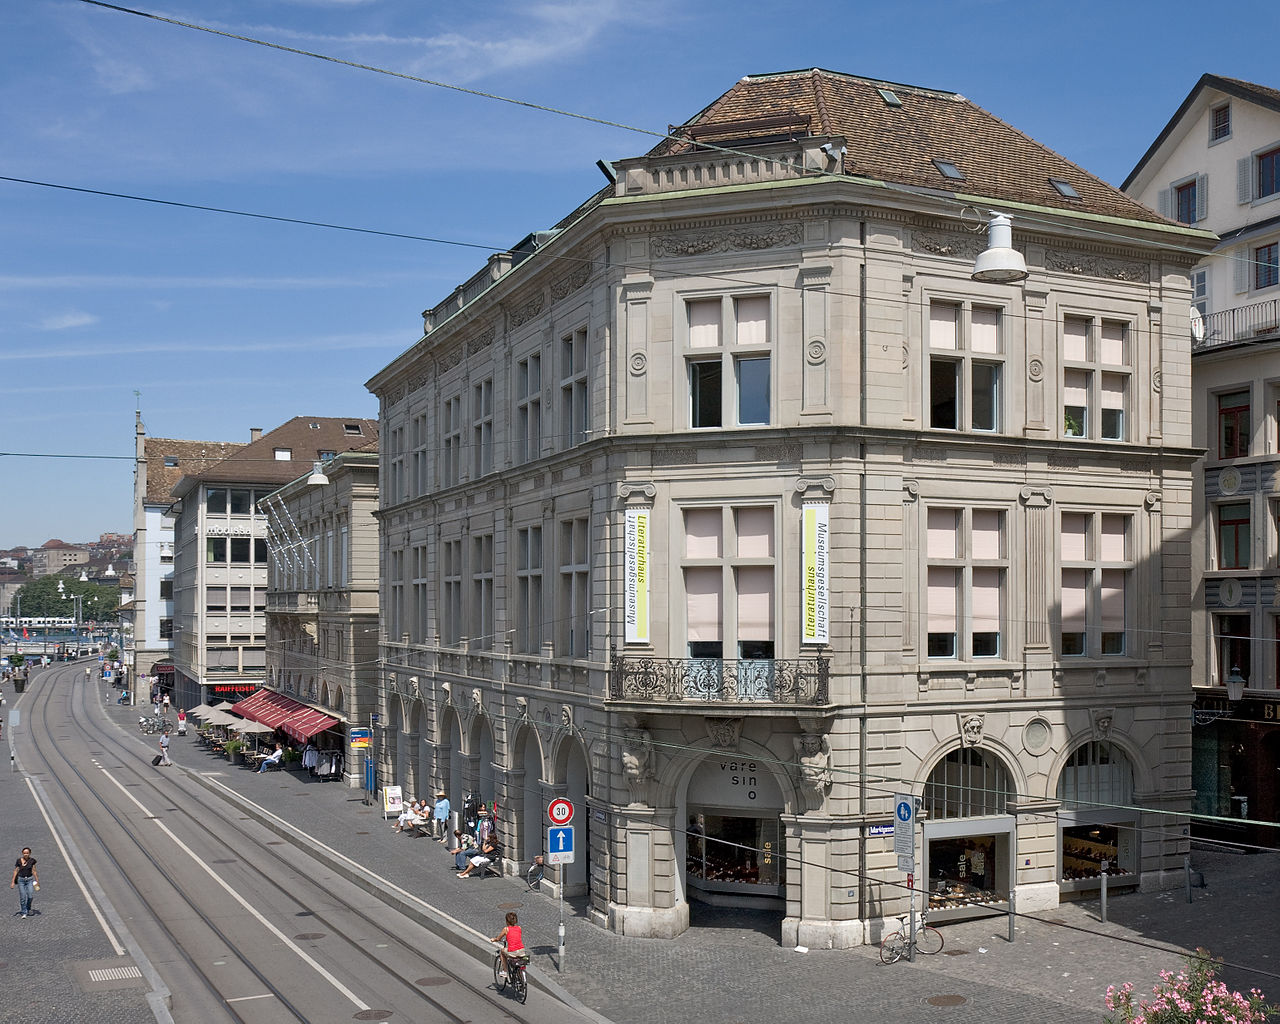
(636, 572)
(815, 606)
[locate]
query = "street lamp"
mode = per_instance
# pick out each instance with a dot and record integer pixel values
(84, 576)
(1235, 691)
(1235, 684)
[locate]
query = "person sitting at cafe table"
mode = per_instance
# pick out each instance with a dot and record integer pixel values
(487, 854)
(271, 759)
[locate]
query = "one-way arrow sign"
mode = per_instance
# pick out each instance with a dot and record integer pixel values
(560, 845)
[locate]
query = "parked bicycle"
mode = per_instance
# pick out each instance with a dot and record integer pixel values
(519, 983)
(534, 875)
(154, 724)
(896, 945)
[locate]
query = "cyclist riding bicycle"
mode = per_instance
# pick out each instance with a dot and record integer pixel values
(512, 943)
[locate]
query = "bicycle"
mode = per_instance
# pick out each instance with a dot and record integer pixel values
(533, 877)
(519, 983)
(896, 945)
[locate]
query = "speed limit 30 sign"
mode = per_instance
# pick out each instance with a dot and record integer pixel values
(560, 811)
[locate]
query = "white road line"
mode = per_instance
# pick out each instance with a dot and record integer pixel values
(66, 856)
(302, 954)
(245, 999)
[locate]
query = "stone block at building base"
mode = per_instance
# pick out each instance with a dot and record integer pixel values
(1034, 896)
(822, 934)
(649, 922)
(1158, 881)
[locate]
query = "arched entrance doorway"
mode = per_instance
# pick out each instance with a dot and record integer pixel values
(528, 804)
(1096, 819)
(969, 856)
(733, 840)
(576, 776)
(482, 746)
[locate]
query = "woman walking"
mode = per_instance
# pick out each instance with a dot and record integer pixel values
(26, 879)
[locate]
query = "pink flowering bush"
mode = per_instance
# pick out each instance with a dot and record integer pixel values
(1192, 996)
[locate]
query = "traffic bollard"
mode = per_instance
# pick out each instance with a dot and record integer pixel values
(1013, 912)
(1104, 892)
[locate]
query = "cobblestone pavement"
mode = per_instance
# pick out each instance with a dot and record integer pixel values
(729, 968)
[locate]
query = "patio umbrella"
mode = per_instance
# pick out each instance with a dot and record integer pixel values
(225, 705)
(245, 726)
(221, 718)
(200, 710)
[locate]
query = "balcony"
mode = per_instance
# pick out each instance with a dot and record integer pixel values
(800, 682)
(295, 602)
(1260, 321)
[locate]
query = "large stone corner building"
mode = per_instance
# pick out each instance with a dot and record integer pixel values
(732, 506)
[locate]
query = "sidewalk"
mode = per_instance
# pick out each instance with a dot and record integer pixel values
(730, 967)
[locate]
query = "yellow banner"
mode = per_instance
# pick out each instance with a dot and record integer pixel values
(636, 571)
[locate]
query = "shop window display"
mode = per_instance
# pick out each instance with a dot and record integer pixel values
(734, 854)
(965, 872)
(1086, 847)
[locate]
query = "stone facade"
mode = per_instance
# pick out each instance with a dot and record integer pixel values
(596, 477)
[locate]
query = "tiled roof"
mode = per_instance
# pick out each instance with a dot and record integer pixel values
(899, 143)
(192, 457)
(304, 437)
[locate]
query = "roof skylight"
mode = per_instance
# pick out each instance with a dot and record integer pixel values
(890, 97)
(949, 170)
(1065, 188)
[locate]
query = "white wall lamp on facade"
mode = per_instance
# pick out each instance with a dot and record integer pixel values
(317, 477)
(1000, 262)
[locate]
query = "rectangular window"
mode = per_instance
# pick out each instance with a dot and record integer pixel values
(573, 388)
(166, 629)
(451, 442)
(572, 636)
(216, 501)
(966, 574)
(965, 368)
(395, 612)
(1233, 425)
(1200, 292)
(419, 466)
(283, 454)
(481, 625)
(241, 603)
(421, 611)
(1095, 378)
(730, 590)
(1185, 202)
(1233, 536)
(451, 593)
(240, 549)
(1234, 635)
(166, 589)
(330, 563)
(529, 408)
(1097, 561)
(215, 550)
(241, 502)
(482, 427)
(529, 610)
(1266, 265)
(260, 554)
(1220, 123)
(215, 601)
(344, 548)
(1268, 166)
(729, 361)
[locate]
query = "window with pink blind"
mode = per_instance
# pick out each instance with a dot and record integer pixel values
(1096, 555)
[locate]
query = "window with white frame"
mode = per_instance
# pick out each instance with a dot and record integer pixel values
(574, 402)
(481, 625)
(421, 457)
(528, 440)
(1097, 561)
(1200, 292)
(966, 366)
(1258, 175)
(421, 594)
(728, 359)
(529, 606)
(330, 562)
(1266, 265)
(967, 568)
(395, 613)
(451, 442)
(482, 427)
(1186, 201)
(396, 483)
(1234, 429)
(1220, 123)
(451, 592)
(1095, 378)
(344, 557)
(728, 567)
(573, 611)
(1233, 638)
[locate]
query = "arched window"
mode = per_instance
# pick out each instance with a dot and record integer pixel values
(1095, 773)
(967, 783)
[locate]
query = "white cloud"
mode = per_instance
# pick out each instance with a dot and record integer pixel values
(67, 321)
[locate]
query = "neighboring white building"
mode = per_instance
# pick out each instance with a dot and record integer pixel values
(220, 566)
(160, 462)
(1216, 164)
(734, 505)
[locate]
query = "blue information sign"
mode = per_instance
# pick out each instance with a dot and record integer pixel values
(560, 844)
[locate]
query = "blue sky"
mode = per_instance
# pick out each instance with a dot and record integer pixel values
(224, 323)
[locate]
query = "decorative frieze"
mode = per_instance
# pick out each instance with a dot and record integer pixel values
(481, 341)
(526, 311)
(570, 283)
(733, 239)
(946, 244)
(1092, 265)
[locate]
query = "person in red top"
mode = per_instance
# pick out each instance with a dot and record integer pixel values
(512, 942)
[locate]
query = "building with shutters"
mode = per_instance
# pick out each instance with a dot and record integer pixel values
(733, 505)
(1217, 164)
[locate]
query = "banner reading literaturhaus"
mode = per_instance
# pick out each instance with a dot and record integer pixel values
(815, 606)
(636, 570)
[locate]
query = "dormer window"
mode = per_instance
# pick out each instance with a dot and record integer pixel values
(949, 170)
(171, 461)
(283, 454)
(326, 456)
(352, 428)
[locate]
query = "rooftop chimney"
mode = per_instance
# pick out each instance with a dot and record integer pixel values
(255, 433)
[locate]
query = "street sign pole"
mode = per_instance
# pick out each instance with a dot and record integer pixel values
(560, 813)
(904, 845)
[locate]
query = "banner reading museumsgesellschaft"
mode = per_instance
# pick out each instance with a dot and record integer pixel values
(636, 571)
(816, 546)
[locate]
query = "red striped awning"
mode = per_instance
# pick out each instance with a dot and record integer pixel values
(301, 721)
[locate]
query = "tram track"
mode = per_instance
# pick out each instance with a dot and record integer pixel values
(226, 834)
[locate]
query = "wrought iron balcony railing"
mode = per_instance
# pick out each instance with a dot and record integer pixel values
(1242, 323)
(796, 681)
